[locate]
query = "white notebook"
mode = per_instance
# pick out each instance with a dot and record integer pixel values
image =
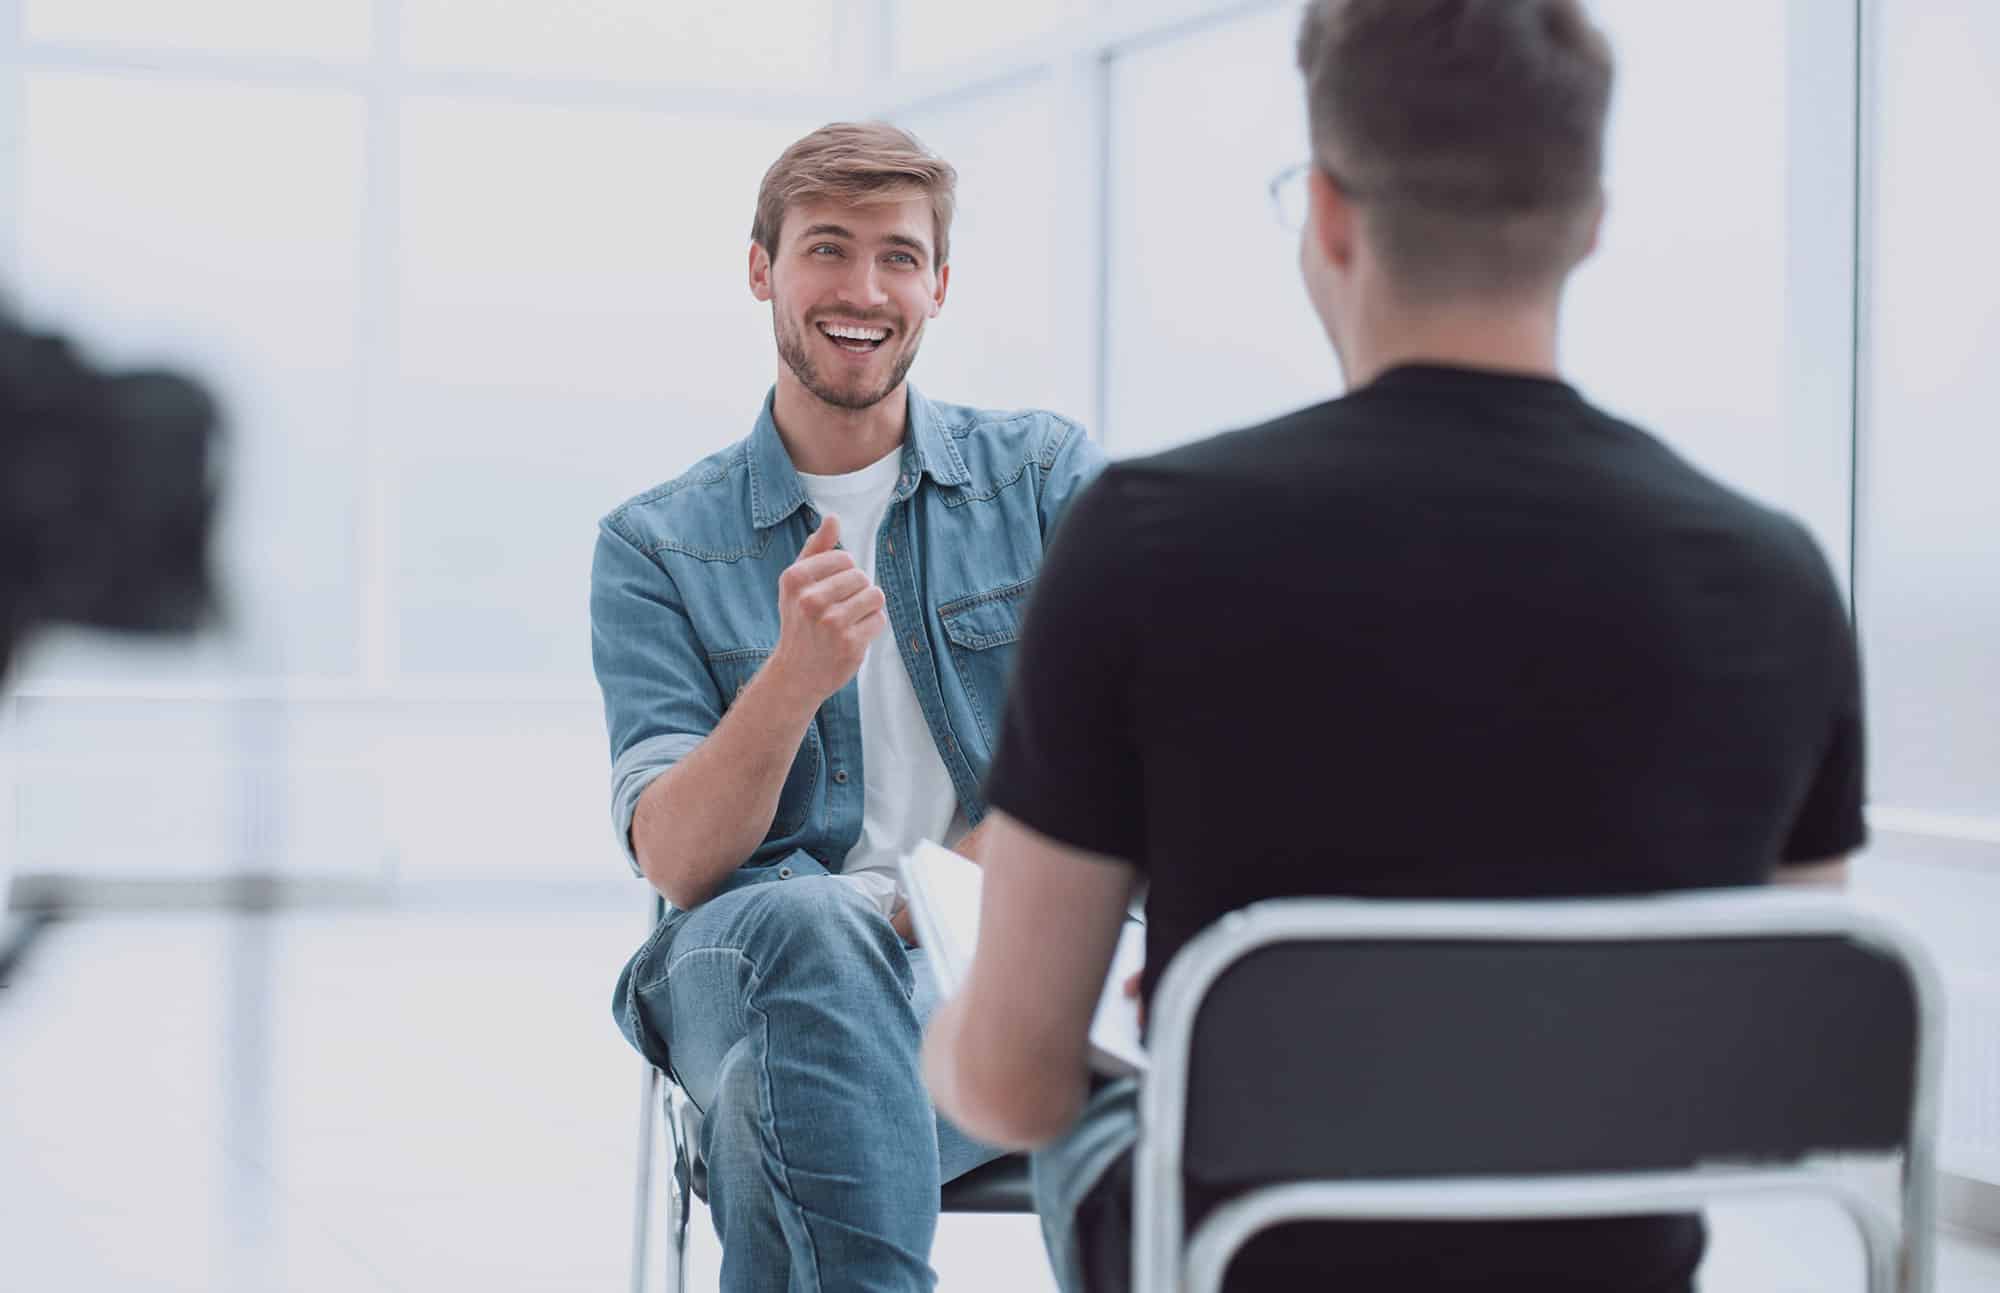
(944, 889)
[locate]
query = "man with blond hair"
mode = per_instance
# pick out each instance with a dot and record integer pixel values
(803, 643)
(1458, 634)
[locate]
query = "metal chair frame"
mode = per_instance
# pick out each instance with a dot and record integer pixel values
(660, 1096)
(1166, 1257)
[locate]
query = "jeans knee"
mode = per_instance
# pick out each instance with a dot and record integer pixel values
(822, 920)
(817, 899)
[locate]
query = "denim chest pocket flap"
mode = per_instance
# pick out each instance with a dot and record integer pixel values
(987, 619)
(733, 671)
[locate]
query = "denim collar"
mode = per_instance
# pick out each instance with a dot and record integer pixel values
(775, 489)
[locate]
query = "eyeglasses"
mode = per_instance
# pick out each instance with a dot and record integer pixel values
(1291, 197)
(1291, 192)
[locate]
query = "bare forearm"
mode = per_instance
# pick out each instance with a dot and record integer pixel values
(1022, 1112)
(1007, 1059)
(700, 819)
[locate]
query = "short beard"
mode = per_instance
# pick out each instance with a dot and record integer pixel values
(792, 349)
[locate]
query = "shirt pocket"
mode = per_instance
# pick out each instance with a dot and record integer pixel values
(733, 671)
(982, 630)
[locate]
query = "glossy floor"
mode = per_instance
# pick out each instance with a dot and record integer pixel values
(425, 1100)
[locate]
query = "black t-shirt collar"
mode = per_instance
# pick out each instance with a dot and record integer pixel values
(1451, 377)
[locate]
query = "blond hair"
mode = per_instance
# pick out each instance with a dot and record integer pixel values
(854, 162)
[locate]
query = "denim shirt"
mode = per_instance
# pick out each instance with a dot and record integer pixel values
(684, 611)
(684, 608)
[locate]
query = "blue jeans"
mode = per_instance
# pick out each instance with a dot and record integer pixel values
(793, 1015)
(1064, 1173)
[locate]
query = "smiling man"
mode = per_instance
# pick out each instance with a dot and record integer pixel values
(803, 643)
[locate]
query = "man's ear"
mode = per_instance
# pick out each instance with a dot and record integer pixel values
(1596, 225)
(937, 298)
(760, 271)
(1332, 219)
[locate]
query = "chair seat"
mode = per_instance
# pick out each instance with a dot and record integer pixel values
(998, 1186)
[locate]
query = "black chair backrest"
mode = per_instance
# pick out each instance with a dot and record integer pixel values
(1459, 1056)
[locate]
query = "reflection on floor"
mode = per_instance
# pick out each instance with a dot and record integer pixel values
(424, 1101)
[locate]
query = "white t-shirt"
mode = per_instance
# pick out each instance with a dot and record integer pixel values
(907, 793)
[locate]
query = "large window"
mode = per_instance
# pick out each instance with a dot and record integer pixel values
(469, 274)
(1209, 326)
(1929, 586)
(928, 35)
(779, 44)
(465, 276)
(326, 29)
(1010, 335)
(575, 326)
(218, 226)
(1718, 309)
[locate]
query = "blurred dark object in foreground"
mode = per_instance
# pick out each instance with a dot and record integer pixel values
(107, 494)
(107, 498)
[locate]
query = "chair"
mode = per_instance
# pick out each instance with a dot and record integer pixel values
(1459, 1061)
(999, 1186)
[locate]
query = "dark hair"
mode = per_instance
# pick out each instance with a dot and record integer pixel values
(1470, 131)
(857, 162)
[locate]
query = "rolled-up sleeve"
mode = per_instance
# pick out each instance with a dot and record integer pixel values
(660, 700)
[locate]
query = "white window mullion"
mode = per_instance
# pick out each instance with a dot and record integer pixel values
(1078, 182)
(376, 338)
(13, 146)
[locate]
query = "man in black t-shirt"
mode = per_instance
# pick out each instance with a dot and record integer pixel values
(1458, 634)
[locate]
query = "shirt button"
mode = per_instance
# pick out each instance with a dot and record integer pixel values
(784, 873)
(890, 545)
(840, 776)
(916, 645)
